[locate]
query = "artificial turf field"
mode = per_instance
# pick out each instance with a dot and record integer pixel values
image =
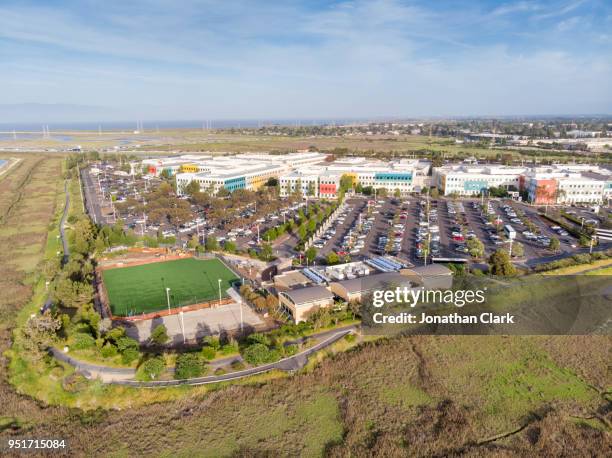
(142, 289)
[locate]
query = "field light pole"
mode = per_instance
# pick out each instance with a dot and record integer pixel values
(168, 299)
(219, 280)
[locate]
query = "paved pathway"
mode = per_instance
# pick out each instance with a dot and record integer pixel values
(124, 376)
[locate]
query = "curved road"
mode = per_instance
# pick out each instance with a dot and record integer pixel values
(123, 376)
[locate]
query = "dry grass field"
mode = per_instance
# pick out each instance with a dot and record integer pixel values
(188, 140)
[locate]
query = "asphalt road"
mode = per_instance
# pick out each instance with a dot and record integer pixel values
(122, 376)
(91, 199)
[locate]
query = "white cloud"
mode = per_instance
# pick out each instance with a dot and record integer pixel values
(359, 58)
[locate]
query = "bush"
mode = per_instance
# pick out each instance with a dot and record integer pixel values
(237, 365)
(126, 343)
(258, 337)
(208, 353)
(290, 350)
(108, 350)
(229, 348)
(258, 353)
(81, 341)
(151, 369)
(212, 341)
(159, 335)
(129, 355)
(189, 365)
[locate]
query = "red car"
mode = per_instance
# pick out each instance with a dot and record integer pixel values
(458, 238)
(341, 253)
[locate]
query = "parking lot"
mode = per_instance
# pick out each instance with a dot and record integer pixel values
(415, 227)
(411, 228)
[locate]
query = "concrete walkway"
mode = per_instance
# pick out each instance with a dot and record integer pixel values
(125, 376)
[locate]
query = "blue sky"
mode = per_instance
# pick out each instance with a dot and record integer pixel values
(188, 59)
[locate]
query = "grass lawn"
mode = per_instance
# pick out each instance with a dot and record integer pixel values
(142, 289)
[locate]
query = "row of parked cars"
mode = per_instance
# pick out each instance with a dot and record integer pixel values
(511, 214)
(355, 237)
(428, 231)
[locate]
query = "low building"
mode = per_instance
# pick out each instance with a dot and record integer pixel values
(299, 303)
(433, 276)
(403, 176)
(290, 280)
(354, 290)
(469, 180)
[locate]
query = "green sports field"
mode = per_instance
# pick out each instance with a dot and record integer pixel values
(142, 289)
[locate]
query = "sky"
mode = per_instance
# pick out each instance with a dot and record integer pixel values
(192, 59)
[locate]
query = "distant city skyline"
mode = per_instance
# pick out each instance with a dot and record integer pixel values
(65, 60)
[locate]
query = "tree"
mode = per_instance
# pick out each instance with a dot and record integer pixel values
(347, 182)
(436, 159)
(152, 368)
(302, 231)
(475, 247)
(312, 225)
(189, 365)
(555, 245)
(311, 254)
(211, 243)
(229, 246)
(73, 294)
(192, 188)
(397, 193)
(311, 189)
(332, 258)
(434, 193)
(517, 249)
(159, 335)
(39, 332)
(500, 264)
(266, 252)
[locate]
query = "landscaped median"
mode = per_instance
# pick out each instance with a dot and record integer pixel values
(126, 376)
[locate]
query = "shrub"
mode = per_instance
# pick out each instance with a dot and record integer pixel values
(129, 355)
(108, 350)
(258, 353)
(290, 350)
(159, 335)
(81, 341)
(115, 334)
(237, 365)
(229, 348)
(126, 343)
(189, 365)
(258, 337)
(208, 353)
(151, 369)
(212, 341)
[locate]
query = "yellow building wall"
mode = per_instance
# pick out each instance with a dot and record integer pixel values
(189, 168)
